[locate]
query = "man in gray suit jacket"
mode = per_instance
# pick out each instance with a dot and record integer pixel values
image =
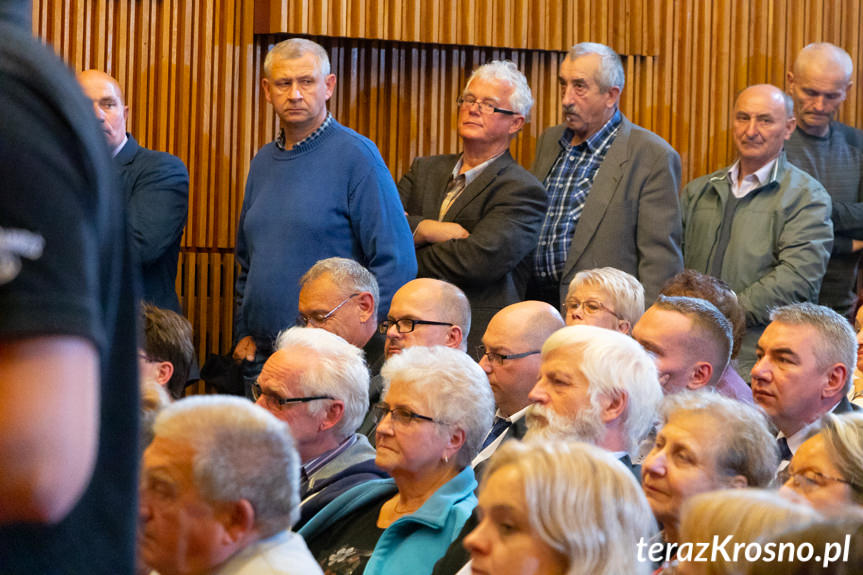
(476, 215)
(612, 186)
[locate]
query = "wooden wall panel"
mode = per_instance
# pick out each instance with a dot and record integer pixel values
(191, 73)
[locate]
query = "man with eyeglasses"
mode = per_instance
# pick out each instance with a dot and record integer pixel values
(510, 357)
(612, 186)
(319, 190)
(476, 215)
(318, 384)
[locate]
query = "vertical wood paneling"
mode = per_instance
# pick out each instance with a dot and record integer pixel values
(191, 73)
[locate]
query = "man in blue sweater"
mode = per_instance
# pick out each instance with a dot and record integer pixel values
(319, 190)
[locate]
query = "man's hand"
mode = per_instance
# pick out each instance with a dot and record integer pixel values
(245, 349)
(433, 232)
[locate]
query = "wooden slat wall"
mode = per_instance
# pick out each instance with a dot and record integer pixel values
(191, 73)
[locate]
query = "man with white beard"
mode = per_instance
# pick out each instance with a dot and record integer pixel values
(597, 386)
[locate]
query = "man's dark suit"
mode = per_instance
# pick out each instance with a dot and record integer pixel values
(502, 209)
(156, 186)
(631, 218)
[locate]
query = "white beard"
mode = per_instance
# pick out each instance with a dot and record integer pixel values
(545, 425)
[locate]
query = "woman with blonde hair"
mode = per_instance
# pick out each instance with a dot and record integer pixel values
(557, 508)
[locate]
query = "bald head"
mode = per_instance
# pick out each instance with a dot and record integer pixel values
(527, 322)
(818, 83)
(763, 120)
(108, 105)
(429, 300)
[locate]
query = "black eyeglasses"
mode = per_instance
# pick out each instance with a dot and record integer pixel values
(257, 392)
(406, 325)
(400, 415)
(484, 107)
(318, 318)
(497, 358)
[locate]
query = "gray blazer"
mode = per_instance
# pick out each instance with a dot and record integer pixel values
(631, 219)
(502, 209)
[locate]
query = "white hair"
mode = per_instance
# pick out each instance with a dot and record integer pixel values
(454, 386)
(339, 370)
(521, 100)
(293, 48)
(625, 291)
(349, 275)
(582, 503)
(614, 364)
(610, 73)
(241, 452)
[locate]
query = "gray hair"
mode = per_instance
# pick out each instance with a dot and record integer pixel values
(838, 56)
(614, 364)
(581, 502)
(241, 452)
(843, 436)
(626, 292)
(293, 48)
(711, 332)
(521, 100)
(349, 275)
(339, 370)
(744, 446)
(610, 73)
(836, 341)
(454, 386)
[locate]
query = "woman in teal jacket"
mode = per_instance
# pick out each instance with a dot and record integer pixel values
(437, 409)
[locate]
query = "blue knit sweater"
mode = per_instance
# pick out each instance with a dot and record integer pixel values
(329, 197)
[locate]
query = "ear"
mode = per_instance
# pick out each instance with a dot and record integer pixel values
(789, 77)
(366, 303)
(624, 327)
(837, 375)
(613, 96)
(517, 125)
(613, 407)
(790, 124)
(238, 520)
(333, 414)
(454, 442)
(164, 372)
(454, 337)
(330, 82)
(737, 482)
(700, 375)
(265, 86)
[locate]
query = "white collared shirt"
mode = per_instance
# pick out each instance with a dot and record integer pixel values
(491, 447)
(754, 180)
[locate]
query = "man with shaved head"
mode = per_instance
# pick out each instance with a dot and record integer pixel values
(509, 354)
(832, 153)
(762, 224)
(155, 187)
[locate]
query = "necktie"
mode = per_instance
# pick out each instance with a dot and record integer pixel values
(453, 191)
(500, 425)
(784, 450)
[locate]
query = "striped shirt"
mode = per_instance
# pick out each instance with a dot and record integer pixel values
(280, 139)
(568, 183)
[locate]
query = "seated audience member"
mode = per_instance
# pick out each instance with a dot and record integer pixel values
(318, 384)
(596, 386)
(604, 297)
(168, 353)
(426, 312)
(341, 296)
(705, 442)
(219, 492)
(534, 522)
(437, 408)
(805, 360)
(836, 536)
(690, 283)
(690, 340)
(747, 515)
(855, 394)
(510, 357)
(827, 468)
(154, 399)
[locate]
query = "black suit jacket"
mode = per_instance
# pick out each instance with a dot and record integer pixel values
(502, 209)
(156, 188)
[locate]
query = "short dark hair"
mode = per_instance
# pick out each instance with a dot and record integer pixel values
(168, 337)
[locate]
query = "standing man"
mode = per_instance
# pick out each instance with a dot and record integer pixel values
(832, 153)
(155, 187)
(476, 215)
(612, 186)
(762, 224)
(318, 190)
(68, 383)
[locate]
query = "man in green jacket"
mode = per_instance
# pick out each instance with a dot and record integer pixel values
(762, 225)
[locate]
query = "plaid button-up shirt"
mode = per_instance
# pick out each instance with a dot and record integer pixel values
(280, 139)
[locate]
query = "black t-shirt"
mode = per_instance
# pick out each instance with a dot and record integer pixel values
(57, 191)
(347, 547)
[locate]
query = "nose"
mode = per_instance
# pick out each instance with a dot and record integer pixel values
(385, 425)
(654, 463)
(476, 542)
(97, 110)
(144, 511)
(539, 394)
(751, 128)
(568, 96)
(484, 363)
(760, 369)
(818, 103)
